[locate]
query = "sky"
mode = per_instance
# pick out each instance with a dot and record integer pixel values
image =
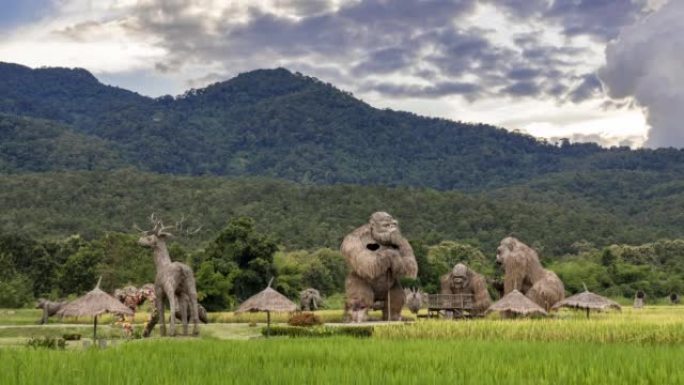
(606, 71)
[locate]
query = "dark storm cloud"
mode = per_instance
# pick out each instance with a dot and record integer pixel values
(589, 87)
(522, 89)
(385, 61)
(468, 90)
(601, 19)
(524, 73)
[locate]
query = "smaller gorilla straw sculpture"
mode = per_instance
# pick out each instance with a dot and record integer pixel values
(463, 280)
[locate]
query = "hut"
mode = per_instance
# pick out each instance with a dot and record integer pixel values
(94, 303)
(516, 304)
(267, 301)
(588, 301)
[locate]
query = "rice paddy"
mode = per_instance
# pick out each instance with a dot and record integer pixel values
(643, 346)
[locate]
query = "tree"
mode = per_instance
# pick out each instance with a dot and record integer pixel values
(445, 255)
(214, 288)
(239, 251)
(15, 292)
(79, 273)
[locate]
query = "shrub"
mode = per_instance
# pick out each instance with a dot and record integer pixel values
(46, 343)
(71, 337)
(304, 319)
(320, 331)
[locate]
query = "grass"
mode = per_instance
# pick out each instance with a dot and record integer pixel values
(643, 346)
(345, 360)
(31, 317)
(654, 325)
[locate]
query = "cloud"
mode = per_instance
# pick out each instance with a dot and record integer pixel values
(589, 87)
(645, 63)
(403, 48)
(601, 19)
(525, 88)
(468, 90)
(600, 139)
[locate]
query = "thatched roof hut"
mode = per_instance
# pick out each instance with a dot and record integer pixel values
(516, 304)
(588, 301)
(94, 303)
(269, 301)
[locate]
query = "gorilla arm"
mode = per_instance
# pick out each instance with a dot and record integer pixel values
(445, 284)
(364, 262)
(481, 298)
(515, 272)
(405, 265)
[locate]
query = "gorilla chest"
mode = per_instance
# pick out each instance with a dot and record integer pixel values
(382, 284)
(460, 289)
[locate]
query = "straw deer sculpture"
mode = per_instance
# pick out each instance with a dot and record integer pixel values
(174, 281)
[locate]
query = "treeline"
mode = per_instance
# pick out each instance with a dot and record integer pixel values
(239, 261)
(550, 214)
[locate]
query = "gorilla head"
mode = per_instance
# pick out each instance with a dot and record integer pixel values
(459, 276)
(504, 250)
(384, 228)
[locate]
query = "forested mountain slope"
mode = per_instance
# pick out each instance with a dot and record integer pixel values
(275, 123)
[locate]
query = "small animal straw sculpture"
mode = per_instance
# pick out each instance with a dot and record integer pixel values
(639, 298)
(415, 299)
(524, 272)
(133, 297)
(463, 280)
(173, 281)
(50, 308)
(310, 299)
(674, 299)
(378, 256)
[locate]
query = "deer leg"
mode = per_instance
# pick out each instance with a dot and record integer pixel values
(183, 306)
(160, 313)
(194, 311)
(173, 307)
(191, 303)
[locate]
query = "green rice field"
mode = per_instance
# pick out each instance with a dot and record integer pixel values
(632, 347)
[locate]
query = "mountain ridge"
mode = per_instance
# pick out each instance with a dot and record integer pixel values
(279, 124)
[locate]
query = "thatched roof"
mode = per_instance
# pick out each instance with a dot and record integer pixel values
(588, 300)
(515, 302)
(267, 300)
(94, 303)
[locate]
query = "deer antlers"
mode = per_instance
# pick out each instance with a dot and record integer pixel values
(160, 230)
(180, 226)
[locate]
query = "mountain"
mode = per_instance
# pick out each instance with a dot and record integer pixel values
(286, 125)
(39, 145)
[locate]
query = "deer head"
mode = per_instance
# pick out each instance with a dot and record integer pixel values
(158, 234)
